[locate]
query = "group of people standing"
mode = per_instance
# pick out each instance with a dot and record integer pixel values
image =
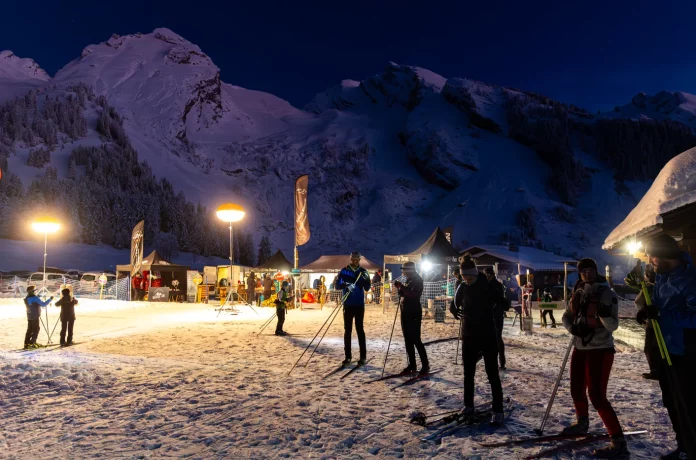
(33, 304)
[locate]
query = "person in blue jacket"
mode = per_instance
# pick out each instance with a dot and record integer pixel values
(674, 306)
(354, 281)
(33, 304)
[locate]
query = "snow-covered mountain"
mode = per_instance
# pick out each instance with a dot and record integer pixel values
(18, 75)
(389, 157)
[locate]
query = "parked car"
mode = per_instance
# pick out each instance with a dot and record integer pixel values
(53, 281)
(74, 273)
(89, 281)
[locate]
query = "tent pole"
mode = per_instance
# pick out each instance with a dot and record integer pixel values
(384, 276)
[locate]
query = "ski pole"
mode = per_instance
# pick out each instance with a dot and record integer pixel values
(398, 307)
(265, 325)
(540, 431)
(323, 335)
(54, 327)
(459, 339)
(312, 341)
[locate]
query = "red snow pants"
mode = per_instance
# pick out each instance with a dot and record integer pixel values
(589, 374)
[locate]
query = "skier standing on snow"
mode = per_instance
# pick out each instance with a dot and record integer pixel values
(67, 316)
(281, 301)
(592, 316)
(354, 281)
(473, 305)
(33, 305)
(651, 349)
(411, 316)
(500, 306)
(674, 306)
(547, 297)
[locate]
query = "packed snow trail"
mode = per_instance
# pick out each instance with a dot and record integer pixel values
(152, 380)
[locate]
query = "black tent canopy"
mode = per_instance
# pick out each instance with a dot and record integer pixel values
(277, 262)
(154, 263)
(436, 250)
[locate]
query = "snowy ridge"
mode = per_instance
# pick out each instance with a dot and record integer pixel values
(677, 106)
(19, 75)
(674, 187)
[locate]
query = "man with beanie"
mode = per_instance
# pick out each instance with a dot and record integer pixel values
(592, 316)
(674, 308)
(411, 316)
(67, 316)
(33, 304)
(281, 302)
(354, 281)
(500, 306)
(473, 306)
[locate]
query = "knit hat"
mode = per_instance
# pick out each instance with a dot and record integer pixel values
(664, 247)
(65, 292)
(355, 254)
(30, 289)
(408, 266)
(586, 263)
(468, 266)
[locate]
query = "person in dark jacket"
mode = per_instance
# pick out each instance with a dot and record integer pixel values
(267, 286)
(547, 297)
(377, 285)
(674, 308)
(67, 316)
(651, 349)
(473, 305)
(251, 288)
(281, 302)
(354, 281)
(33, 304)
(411, 316)
(592, 316)
(500, 306)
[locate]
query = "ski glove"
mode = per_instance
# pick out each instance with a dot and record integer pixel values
(642, 316)
(456, 312)
(604, 311)
(350, 287)
(581, 330)
(652, 311)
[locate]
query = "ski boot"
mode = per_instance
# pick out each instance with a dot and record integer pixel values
(425, 370)
(346, 361)
(409, 370)
(617, 448)
(361, 361)
(497, 419)
(582, 425)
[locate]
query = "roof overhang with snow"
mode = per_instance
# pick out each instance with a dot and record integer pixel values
(531, 258)
(667, 206)
(436, 249)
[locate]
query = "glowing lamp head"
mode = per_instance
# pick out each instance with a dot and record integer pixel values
(46, 225)
(230, 212)
(427, 266)
(634, 247)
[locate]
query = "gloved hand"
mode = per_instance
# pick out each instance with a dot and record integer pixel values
(456, 312)
(350, 287)
(581, 330)
(642, 316)
(604, 311)
(652, 311)
(575, 302)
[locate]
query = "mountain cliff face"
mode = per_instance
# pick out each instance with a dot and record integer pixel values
(389, 157)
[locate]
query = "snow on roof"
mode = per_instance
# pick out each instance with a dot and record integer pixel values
(673, 188)
(532, 258)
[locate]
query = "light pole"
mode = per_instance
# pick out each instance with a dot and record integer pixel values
(45, 225)
(230, 212)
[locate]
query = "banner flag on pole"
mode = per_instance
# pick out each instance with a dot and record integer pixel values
(137, 247)
(302, 233)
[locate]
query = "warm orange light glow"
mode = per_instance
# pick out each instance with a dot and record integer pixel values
(46, 225)
(230, 212)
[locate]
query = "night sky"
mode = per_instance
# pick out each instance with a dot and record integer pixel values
(595, 54)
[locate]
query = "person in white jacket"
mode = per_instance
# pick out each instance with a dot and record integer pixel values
(592, 316)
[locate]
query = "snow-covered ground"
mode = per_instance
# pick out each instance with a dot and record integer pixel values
(176, 380)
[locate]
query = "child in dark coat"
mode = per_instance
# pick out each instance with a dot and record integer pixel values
(67, 316)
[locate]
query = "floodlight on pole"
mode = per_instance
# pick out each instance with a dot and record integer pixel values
(230, 213)
(45, 225)
(427, 266)
(634, 247)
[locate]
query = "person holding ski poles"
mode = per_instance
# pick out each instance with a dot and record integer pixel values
(281, 302)
(651, 348)
(592, 316)
(473, 306)
(674, 308)
(410, 292)
(500, 306)
(33, 304)
(354, 281)
(67, 316)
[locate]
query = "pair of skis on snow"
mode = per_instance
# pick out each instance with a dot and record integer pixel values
(455, 420)
(572, 441)
(343, 367)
